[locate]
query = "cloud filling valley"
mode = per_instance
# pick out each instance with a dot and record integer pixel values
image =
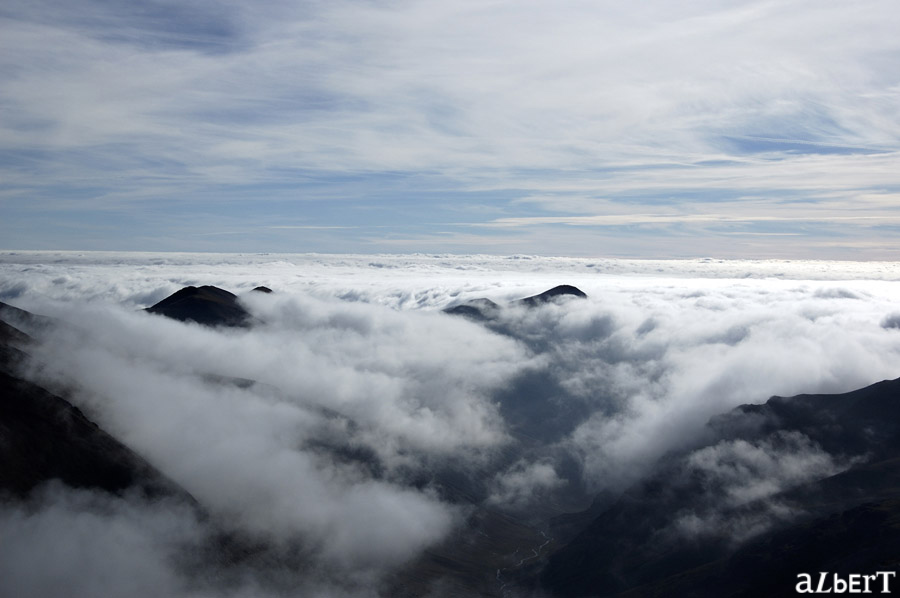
(322, 432)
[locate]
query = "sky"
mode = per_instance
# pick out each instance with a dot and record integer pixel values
(541, 409)
(740, 129)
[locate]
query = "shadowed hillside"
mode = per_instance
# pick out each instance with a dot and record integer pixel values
(44, 437)
(682, 531)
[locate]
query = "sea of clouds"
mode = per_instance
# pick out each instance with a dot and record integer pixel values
(365, 392)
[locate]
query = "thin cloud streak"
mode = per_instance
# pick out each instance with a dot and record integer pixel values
(670, 218)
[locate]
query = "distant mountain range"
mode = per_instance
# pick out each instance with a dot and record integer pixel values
(485, 309)
(707, 522)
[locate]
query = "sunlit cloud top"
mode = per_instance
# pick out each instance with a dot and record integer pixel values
(734, 129)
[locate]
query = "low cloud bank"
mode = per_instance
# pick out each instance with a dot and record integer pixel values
(363, 393)
(352, 403)
(77, 543)
(737, 473)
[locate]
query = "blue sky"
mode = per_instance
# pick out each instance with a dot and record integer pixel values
(729, 129)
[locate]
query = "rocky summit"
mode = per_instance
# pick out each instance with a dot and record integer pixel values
(207, 305)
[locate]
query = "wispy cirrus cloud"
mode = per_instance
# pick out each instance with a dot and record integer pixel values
(283, 110)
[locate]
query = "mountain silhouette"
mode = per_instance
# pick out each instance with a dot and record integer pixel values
(846, 523)
(476, 309)
(206, 305)
(563, 290)
(483, 309)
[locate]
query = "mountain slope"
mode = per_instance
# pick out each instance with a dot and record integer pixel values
(833, 466)
(43, 437)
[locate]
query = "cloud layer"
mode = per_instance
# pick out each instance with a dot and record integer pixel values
(367, 395)
(377, 125)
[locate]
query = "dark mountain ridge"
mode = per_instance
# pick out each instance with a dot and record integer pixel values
(207, 305)
(43, 437)
(846, 522)
(24, 321)
(46, 438)
(481, 309)
(563, 290)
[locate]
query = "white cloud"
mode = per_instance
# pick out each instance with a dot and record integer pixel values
(738, 473)
(748, 472)
(636, 104)
(78, 543)
(408, 388)
(522, 484)
(367, 392)
(716, 347)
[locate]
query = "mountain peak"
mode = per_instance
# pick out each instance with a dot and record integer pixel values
(206, 305)
(562, 290)
(484, 309)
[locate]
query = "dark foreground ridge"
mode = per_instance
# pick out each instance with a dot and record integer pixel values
(206, 305)
(43, 437)
(25, 321)
(46, 438)
(845, 523)
(485, 309)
